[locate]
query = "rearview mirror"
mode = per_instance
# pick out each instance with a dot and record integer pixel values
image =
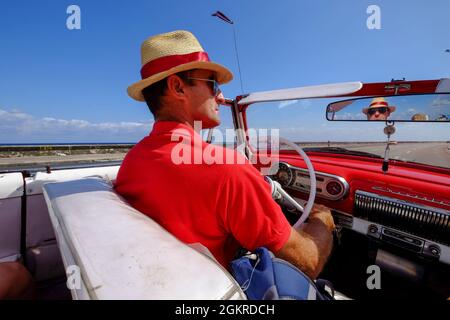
(433, 107)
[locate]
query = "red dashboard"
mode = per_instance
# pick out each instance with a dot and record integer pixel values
(418, 184)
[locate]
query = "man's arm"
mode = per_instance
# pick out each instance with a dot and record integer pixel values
(15, 281)
(308, 248)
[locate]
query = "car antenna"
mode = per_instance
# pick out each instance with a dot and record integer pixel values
(388, 130)
(223, 17)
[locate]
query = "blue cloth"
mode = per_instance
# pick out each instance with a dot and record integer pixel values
(262, 276)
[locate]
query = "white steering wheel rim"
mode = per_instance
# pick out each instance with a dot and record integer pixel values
(312, 177)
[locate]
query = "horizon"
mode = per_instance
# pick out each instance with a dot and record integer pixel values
(228, 143)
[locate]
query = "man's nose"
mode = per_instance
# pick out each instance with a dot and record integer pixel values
(220, 99)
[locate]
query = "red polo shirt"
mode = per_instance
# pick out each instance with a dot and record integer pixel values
(183, 183)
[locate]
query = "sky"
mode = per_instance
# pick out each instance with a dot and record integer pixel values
(61, 85)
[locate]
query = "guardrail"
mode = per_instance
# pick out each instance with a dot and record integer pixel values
(62, 147)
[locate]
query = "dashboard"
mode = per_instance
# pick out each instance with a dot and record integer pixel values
(406, 208)
(328, 186)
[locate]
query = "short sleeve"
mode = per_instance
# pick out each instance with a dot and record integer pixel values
(248, 211)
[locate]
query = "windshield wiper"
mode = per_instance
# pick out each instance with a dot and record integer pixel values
(342, 151)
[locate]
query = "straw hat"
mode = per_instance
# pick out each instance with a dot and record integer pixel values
(420, 117)
(379, 103)
(169, 53)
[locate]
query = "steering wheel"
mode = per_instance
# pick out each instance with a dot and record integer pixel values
(279, 193)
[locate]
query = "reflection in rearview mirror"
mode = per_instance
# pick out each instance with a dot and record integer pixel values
(403, 108)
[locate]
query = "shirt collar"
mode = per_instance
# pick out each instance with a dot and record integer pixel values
(163, 127)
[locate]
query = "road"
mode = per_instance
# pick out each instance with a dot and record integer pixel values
(33, 161)
(436, 154)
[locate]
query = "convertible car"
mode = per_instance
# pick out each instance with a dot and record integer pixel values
(374, 153)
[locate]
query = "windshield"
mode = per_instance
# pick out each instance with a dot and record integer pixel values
(304, 122)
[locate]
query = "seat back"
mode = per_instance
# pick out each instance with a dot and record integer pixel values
(11, 190)
(121, 253)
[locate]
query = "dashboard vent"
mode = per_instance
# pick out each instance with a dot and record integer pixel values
(426, 222)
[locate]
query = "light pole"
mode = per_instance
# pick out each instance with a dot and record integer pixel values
(223, 17)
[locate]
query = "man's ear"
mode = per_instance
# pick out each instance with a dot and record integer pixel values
(175, 85)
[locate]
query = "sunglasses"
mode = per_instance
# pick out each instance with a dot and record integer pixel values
(214, 85)
(381, 110)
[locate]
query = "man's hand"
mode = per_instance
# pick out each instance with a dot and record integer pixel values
(323, 214)
(309, 247)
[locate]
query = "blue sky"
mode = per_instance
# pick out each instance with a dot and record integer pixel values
(60, 85)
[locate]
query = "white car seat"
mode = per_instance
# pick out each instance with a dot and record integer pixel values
(112, 251)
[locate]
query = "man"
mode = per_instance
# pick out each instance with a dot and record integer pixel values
(222, 206)
(378, 109)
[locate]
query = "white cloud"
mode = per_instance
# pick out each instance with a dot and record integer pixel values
(440, 105)
(20, 127)
(284, 104)
(441, 102)
(303, 103)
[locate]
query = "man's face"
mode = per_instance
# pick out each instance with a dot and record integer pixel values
(203, 105)
(381, 113)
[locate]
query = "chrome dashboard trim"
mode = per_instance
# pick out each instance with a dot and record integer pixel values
(411, 196)
(362, 226)
(399, 201)
(415, 219)
(326, 177)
